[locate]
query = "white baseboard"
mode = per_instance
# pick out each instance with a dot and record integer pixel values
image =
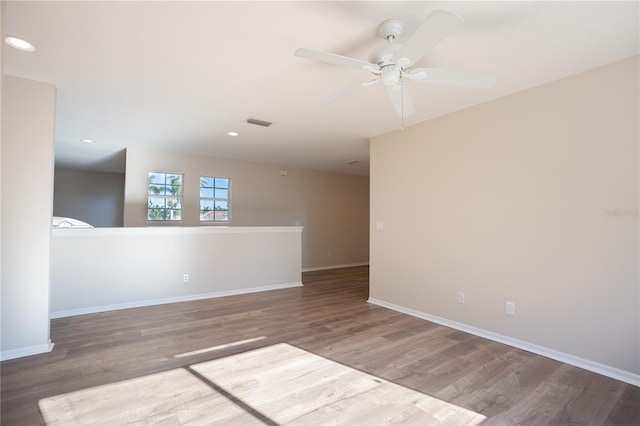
(164, 301)
(28, 351)
(605, 370)
(346, 265)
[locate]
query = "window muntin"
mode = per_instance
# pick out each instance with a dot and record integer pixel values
(164, 197)
(215, 199)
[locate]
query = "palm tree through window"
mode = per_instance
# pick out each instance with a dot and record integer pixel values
(164, 196)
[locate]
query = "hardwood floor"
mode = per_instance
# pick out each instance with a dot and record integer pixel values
(173, 347)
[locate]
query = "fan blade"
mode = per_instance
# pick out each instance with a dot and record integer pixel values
(401, 100)
(453, 77)
(349, 90)
(332, 58)
(437, 26)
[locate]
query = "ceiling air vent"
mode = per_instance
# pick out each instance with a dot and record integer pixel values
(259, 122)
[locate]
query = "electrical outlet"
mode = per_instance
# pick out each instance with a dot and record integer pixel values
(185, 278)
(329, 253)
(460, 297)
(510, 308)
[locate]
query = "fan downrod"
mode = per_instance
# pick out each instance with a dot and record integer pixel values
(389, 30)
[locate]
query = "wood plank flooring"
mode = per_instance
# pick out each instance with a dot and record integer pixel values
(179, 349)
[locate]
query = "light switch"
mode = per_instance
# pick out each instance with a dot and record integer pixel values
(379, 225)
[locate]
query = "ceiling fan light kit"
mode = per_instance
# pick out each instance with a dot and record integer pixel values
(392, 63)
(390, 74)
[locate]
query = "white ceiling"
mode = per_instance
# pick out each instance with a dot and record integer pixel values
(178, 75)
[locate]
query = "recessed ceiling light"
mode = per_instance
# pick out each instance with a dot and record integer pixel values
(233, 134)
(87, 140)
(20, 44)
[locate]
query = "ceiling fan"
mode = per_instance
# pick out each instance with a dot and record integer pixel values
(392, 64)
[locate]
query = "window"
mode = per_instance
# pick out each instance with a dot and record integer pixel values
(215, 199)
(164, 196)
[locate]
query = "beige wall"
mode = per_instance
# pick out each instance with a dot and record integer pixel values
(332, 207)
(93, 197)
(28, 109)
(531, 198)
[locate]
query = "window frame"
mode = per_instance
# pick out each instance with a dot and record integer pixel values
(165, 196)
(215, 199)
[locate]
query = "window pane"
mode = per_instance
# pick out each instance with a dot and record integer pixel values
(222, 193)
(173, 179)
(156, 190)
(206, 182)
(175, 190)
(221, 205)
(222, 216)
(155, 214)
(206, 205)
(206, 210)
(156, 178)
(206, 192)
(222, 183)
(174, 203)
(174, 214)
(156, 202)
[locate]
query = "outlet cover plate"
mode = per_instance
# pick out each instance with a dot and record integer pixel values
(510, 308)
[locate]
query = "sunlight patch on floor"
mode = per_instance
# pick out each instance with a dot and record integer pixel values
(277, 384)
